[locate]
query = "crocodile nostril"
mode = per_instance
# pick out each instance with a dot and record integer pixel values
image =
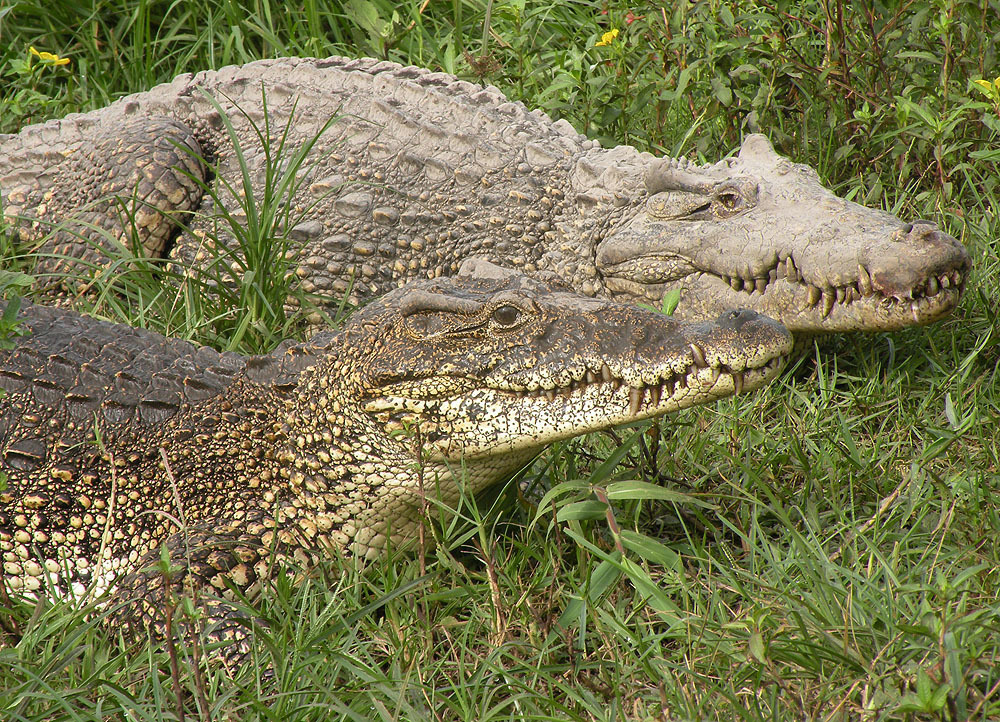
(736, 318)
(924, 230)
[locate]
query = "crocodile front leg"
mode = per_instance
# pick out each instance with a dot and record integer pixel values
(77, 198)
(205, 566)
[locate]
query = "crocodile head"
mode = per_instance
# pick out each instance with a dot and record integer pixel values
(488, 367)
(454, 383)
(761, 232)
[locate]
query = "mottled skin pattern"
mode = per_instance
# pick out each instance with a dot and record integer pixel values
(118, 442)
(420, 171)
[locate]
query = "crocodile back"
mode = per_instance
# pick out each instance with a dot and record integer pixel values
(70, 376)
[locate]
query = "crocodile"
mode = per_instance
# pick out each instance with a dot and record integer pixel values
(119, 443)
(403, 173)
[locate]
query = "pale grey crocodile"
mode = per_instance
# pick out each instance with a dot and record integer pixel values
(420, 171)
(118, 441)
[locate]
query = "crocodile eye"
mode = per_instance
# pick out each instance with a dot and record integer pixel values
(730, 200)
(506, 315)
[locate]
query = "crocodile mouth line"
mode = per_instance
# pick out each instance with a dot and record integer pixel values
(666, 386)
(826, 297)
(937, 290)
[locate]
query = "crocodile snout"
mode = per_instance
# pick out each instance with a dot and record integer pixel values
(924, 252)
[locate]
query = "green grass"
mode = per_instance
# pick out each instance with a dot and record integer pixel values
(823, 549)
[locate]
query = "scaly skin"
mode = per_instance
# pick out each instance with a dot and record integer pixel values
(420, 171)
(118, 441)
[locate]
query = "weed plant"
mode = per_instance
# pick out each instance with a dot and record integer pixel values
(824, 549)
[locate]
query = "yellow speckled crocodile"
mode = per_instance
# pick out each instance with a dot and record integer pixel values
(119, 443)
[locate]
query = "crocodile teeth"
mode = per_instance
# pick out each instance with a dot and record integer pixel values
(736, 283)
(635, 397)
(945, 281)
(864, 281)
(606, 374)
(716, 373)
(933, 287)
(790, 270)
(829, 300)
(550, 394)
(851, 294)
(814, 295)
(590, 377)
(841, 294)
(699, 354)
(738, 382)
(655, 392)
(760, 285)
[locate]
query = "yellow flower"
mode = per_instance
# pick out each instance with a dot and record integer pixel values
(607, 38)
(49, 58)
(990, 89)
